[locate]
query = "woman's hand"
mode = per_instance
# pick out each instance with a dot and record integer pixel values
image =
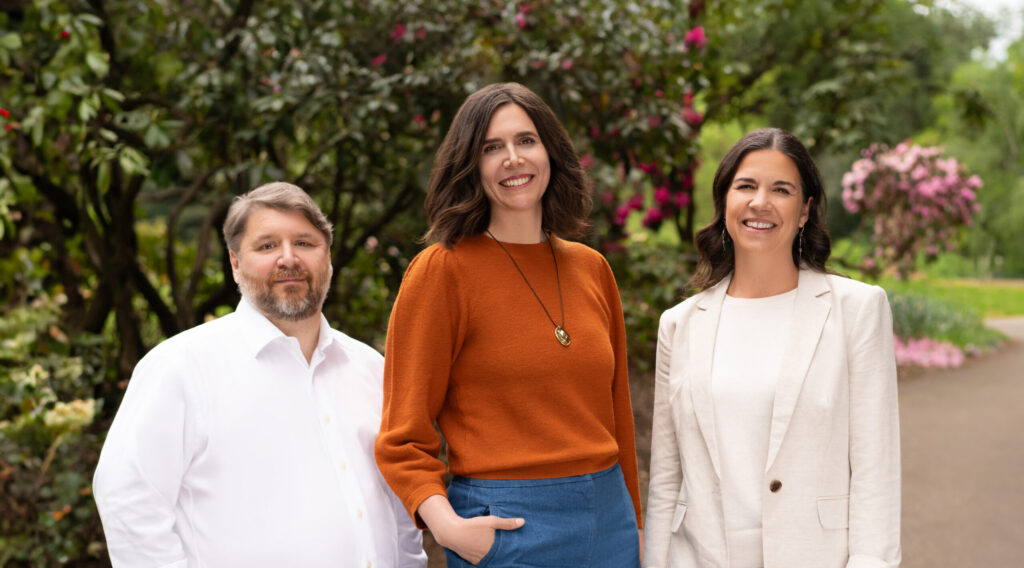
(469, 538)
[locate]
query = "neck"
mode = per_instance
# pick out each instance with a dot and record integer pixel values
(307, 331)
(760, 278)
(524, 229)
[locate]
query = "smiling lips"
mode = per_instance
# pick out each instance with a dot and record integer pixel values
(759, 224)
(516, 181)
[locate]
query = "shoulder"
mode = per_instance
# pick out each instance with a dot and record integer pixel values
(205, 338)
(357, 349)
(854, 293)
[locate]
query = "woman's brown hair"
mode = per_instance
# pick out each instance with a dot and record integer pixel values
(456, 204)
(714, 260)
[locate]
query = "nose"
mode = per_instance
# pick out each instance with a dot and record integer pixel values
(513, 158)
(288, 258)
(760, 198)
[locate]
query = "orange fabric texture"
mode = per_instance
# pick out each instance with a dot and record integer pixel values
(469, 346)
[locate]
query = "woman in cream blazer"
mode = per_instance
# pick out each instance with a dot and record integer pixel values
(829, 492)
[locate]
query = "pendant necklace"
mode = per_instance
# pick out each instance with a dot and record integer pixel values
(560, 334)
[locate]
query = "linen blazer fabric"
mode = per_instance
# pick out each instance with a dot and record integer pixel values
(833, 452)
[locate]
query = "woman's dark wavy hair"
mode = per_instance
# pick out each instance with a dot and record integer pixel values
(456, 204)
(715, 261)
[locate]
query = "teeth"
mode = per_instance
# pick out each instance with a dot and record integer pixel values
(516, 182)
(758, 225)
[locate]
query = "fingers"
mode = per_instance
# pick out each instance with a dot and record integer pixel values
(503, 524)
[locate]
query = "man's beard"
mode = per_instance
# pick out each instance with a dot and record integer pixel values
(285, 305)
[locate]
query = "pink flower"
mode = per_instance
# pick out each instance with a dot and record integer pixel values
(659, 93)
(682, 200)
(586, 161)
(621, 213)
(64, 34)
(695, 38)
(421, 33)
(647, 167)
(654, 121)
(653, 217)
(692, 117)
(567, 64)
(688, 100)
(398, 32)
(419, 119)
(379, 60)
(538, 64)
(521, 20)
(662, 195)
(607, 198)
(5, 113)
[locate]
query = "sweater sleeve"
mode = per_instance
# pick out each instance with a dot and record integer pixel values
(424, 333)
(622, 406)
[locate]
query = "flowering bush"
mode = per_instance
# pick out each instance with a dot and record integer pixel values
(927, 352)
(913, 199)
(931, 333)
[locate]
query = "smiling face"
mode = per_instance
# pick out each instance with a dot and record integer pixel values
(514, 166)
(283, 265)
(764, 206)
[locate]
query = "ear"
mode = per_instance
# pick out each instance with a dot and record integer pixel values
(805, 213)
(234, 264)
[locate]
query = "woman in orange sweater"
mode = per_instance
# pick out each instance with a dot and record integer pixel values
(512, 340)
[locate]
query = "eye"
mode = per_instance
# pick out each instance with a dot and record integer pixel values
(744, 186)
(304, 244)
(527, 140)
(265, 246)
(784, 189)
(491, 147)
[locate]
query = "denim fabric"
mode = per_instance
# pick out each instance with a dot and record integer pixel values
(583, 521)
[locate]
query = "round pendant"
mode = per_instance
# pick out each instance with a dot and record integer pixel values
(562, 336)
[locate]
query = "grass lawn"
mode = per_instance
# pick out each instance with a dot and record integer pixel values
(987, 298)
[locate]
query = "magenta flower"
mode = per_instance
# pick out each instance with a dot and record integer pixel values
(398, 32)
(662, 195)
(521, 20)
(653, 217)
(682, 200)
(693, 118)
(695, 38)
(379, 60)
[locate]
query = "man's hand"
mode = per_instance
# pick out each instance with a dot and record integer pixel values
(469, 538)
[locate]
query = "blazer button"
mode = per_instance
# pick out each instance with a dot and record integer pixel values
(775, 485)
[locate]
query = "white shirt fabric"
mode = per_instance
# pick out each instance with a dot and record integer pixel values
(745, 370)
(229, 449)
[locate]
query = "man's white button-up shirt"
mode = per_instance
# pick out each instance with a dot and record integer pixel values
(229, 449)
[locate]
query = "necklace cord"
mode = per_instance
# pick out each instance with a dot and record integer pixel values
(558, 281)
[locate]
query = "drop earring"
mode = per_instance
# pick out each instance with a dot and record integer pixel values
(800, 245)
(725, 240)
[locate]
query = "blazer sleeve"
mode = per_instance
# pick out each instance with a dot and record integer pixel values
(874, 537)
(666, 475)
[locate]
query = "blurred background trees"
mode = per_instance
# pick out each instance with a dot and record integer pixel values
(128, 127)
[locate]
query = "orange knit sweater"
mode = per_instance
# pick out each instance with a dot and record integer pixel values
(469, 347)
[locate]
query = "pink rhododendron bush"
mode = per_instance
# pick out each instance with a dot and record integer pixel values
(927, 352)
(913, 200)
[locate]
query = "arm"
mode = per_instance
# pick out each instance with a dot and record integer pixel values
(874, 439)
(625, 433)
(666, 467)
(148, 448)
(469, 538)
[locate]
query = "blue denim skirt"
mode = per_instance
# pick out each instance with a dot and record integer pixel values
(583, 521)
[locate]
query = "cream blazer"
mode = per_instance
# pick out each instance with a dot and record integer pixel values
(832, 479)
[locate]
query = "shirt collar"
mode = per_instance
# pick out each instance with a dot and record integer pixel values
(258, 332)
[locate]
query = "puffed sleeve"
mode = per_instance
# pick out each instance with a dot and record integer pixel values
(151, 442)
(874, 538)
(424, 335)
(666, 467)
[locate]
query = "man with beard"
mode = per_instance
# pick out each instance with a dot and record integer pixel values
(248, 440)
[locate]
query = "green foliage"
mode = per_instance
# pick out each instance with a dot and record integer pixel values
(47, 448)
(917, 316)
(652, 277)
(989, 298)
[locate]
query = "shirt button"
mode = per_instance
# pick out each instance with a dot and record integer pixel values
(359, 513)
(343, 465)
(327, 418)
(775, 485)
(369, 564)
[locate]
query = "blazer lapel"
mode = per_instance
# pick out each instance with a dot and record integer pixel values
(812, 308)
(703, 329)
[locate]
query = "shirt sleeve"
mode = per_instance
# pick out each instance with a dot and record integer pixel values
(424, 333)
(625, 434)
(139, 474)
(874, 439)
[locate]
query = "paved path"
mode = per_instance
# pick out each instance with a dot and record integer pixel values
(963, 461)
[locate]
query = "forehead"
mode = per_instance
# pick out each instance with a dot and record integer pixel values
(768, 164)
(509, 118)
(266, 222)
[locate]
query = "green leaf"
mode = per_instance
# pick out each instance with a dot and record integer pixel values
(98, 62)
(10, 41)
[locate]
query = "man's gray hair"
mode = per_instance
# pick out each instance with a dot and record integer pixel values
(278, 195)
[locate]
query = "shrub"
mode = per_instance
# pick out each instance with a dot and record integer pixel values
(928, 330)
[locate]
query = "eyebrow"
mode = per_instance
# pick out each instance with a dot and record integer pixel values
(777, 182)
(269, 236)
(517, 135)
